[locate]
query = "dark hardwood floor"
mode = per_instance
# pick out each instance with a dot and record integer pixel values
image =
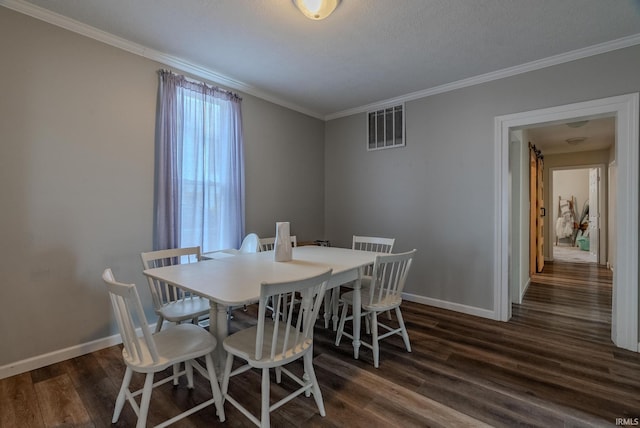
(552, 365)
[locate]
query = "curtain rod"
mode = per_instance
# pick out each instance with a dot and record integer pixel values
(199, 82)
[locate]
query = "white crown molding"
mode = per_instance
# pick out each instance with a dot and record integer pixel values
(204, 73)
(152, 54)
(601, 48)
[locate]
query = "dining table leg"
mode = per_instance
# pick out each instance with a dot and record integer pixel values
(218, 327)
(357, 308)
(328, 305)
(335, 307)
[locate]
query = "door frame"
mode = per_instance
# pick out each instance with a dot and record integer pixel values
(603, 247)
(600, 197)
(624, 322)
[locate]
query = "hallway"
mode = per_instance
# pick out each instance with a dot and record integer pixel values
(567, 253)
(572, 299)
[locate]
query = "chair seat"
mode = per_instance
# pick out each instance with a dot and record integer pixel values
(364, 281)
(179, 343)
(181, 310)
(243, 344)
(383, 304)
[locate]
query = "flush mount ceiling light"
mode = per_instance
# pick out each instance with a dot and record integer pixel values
(577, 124)
(316, 9)
(575, 140)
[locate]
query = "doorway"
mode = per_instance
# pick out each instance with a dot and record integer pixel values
(578, 212)
(625, 295)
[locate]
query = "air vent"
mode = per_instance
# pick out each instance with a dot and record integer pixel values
(385, 128)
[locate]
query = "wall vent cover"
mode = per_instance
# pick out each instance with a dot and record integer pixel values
(385, 128)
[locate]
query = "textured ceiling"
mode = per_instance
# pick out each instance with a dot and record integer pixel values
(598, 134)
(367, 52)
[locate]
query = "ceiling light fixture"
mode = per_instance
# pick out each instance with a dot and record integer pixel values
(316, 9)
(575, 140)
(577, 124)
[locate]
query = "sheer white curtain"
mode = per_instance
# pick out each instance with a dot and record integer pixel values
(199, 172)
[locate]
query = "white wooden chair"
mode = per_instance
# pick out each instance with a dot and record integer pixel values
(266, 244)
(384, 293)
(171, 303)
(362, 243)
(373, 243)
(153, 353)
(274, 343)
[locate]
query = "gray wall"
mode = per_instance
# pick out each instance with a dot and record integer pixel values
(76, 133)
(437, 193)
(77, 124)
(285, 170)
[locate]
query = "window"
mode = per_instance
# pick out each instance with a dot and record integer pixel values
(199, 167)
(385, 128)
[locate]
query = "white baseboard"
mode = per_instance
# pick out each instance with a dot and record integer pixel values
(457, 307)
(524, 290)
(43, 360)
(49, 358)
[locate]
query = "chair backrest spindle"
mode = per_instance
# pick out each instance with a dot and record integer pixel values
(161, 292)
(373, 243)
(127, 308)
(294, 334)
(389, 275)
(266, 244)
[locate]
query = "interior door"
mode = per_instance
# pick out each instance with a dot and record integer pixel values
(533, 209)
(594, 212)
(536, 211)
(540, 215)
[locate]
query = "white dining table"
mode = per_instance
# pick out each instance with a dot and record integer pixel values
(235, 281)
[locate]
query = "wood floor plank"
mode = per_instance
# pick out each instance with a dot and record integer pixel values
(95, 388)
(431, 412)
(19, 403)
(61, 404)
